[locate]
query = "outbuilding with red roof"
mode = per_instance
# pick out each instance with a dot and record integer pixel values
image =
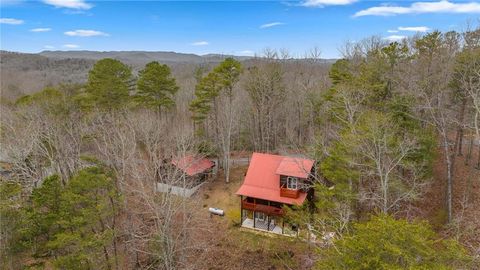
(185, 173)
(193, 165)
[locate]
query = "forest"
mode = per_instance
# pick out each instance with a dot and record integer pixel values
(394, 128)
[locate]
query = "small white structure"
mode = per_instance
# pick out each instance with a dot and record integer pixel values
(216, 211)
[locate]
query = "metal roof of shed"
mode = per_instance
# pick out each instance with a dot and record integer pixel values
(193, 165)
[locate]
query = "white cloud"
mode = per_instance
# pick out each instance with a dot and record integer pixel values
(422, 29)
(40, 29)
(11, 21)
(443, 6)
(71, 46)
(85, 33)
(74, 4)
(414, 29)
(200, 43)
(393, 38)
(49, 47)
(268, 25)
(246, 52)
(322, 3)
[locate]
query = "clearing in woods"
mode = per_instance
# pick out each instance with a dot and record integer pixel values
(238, 248)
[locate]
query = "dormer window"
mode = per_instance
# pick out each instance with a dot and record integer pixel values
(292, 182)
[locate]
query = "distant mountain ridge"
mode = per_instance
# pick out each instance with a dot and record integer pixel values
(26, 73)
(142, 57)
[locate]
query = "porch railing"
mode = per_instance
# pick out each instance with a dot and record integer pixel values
(267, 209)
(289, 193)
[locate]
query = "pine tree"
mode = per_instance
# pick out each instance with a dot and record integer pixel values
(75, 223)
(11, 218)
(109, 84)
(156, 86)
(387, 243)
(207, 89)
(88, 206)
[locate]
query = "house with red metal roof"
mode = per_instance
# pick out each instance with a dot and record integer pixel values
(272, 182)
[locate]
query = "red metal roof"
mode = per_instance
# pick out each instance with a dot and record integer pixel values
(297, 167)
(193, 165)
(263, 182)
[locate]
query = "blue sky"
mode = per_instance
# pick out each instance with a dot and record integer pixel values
(229, 27)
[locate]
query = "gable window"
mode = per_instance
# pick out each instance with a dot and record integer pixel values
(292, 182)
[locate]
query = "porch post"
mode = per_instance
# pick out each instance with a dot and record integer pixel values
(268, 223)
(241, 210)
(268, 219)
(254, 207)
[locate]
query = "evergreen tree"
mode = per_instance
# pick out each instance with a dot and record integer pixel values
(109, 84)
(228, 71)
(11, 218)
(75, 223)
(88, 208)
(46, 212)
(206, 91)
(223, 77)
(387, 243)
(156, 86)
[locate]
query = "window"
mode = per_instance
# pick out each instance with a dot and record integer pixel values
(292, 182)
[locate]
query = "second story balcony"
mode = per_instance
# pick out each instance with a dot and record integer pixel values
(289, 193)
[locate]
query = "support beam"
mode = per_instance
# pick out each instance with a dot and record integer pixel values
(254, 217)
(268, 218)
(241, 210)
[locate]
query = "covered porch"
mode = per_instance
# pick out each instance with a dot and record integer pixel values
(261, 225)
(264, 222)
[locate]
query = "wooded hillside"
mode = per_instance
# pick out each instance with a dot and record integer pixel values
(394, 129)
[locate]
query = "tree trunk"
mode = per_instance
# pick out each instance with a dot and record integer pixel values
(215, 108)
(469, 153)
(450, 165)
(478, 157)
(460, 126)
(228, 139)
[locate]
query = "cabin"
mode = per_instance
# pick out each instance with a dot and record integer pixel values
(272, 182)
(196, 169)
(192, 171)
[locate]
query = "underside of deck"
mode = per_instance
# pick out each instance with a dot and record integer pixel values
(261, 225)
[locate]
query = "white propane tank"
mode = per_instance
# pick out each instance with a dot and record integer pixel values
(215, 211)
